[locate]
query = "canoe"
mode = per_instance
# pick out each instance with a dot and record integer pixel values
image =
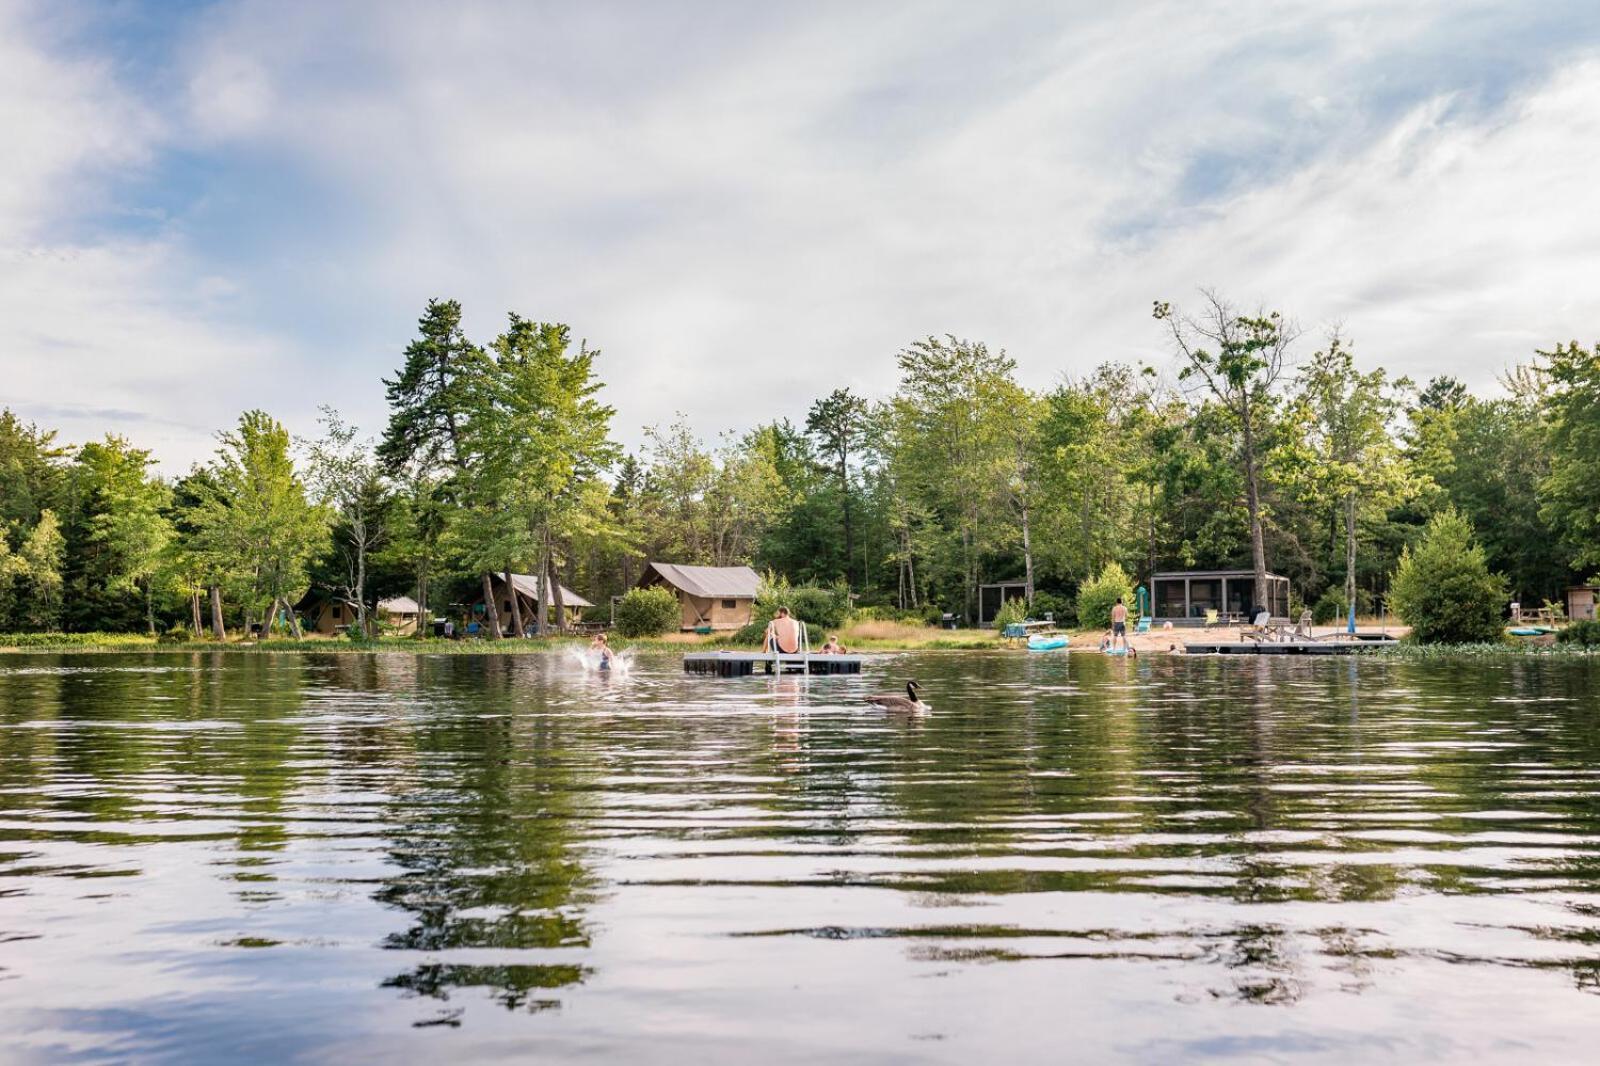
(1530, 631)
(1046, 643)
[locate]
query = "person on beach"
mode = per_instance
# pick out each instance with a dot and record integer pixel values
(783, 634)
(1119, 624)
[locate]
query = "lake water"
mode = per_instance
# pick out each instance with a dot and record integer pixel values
(350, 858)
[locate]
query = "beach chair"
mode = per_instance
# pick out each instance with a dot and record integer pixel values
(1144, 624)
(1211, 618)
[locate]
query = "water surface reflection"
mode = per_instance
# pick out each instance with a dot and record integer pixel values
(346, 858)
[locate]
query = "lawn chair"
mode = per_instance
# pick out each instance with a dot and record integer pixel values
(1144, 624)
(1211, 618)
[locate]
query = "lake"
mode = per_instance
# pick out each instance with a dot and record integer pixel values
(390, 858)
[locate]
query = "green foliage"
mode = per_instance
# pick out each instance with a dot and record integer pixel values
(1443, 588)
(51, 639)
(1585, 633)
(1331, 607)
(1061, 608)
(1099, 594)
(1010, 612)
(816, 606)
(1571, 490)
(647, 612)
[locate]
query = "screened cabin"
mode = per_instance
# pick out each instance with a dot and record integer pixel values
(1581, 602)
(1188, 596)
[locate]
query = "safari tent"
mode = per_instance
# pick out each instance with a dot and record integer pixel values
(718, 597)
(527, 588)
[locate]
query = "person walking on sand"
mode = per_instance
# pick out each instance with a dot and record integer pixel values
(1119, 624)
(783, 634)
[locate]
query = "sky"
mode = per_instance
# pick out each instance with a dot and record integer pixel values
(209, 207)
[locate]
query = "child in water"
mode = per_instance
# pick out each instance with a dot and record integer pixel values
(602, 651)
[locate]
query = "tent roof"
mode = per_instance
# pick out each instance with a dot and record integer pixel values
(707, 582)
(399, 605)
(529, 584)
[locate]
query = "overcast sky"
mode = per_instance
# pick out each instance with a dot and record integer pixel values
(206, 207)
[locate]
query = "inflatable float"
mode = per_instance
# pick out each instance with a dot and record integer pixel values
(1046, 643)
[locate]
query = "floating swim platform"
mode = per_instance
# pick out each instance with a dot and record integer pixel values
(747, 663)
(1364, 642)
(1046, 643)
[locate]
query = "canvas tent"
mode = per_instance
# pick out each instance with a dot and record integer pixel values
(721, 597)
(527, 587)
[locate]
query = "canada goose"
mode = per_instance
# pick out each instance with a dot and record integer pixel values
(893, 701)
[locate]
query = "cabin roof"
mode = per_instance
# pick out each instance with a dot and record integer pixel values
(399, 605)
(529, 584)
(707, 582)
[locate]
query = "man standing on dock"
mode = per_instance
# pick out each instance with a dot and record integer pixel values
(1119, 624)
(783, 634)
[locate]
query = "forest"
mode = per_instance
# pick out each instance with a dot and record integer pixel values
(1247, 443)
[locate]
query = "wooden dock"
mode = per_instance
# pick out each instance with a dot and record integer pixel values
(1288, 647)
(745, 663)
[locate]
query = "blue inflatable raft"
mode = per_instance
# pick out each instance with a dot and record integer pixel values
(1046, 643)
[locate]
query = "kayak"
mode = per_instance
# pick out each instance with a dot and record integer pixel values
(1046, 643)
(1530, 631)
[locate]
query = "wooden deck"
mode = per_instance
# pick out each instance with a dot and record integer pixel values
(745, 663)
(1288, 647)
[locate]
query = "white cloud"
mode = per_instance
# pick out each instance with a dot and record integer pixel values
(747, 206)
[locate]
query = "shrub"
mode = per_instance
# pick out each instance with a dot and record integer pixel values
(647, 612)
(1011, 611)
(1584, 634)
(1061, 608)
(1099, 594)
(816, 606)
(1443, 588)
(1330, 606)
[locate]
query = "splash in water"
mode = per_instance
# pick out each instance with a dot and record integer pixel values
(588, 660)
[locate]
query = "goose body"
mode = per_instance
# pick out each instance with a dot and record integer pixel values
(893, 701)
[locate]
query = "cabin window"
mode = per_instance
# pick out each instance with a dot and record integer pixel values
(507, 607)
(338, 613)
(728, 605)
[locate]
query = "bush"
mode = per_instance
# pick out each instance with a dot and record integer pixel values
(1011, 611)
(1061, 608)
(816, 606)
(647, 612)
(1098, 595)
(1443, 588)
(1584, 634)
(1330, 606)
(73, 640)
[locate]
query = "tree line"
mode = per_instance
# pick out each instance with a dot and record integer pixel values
(1250, 445)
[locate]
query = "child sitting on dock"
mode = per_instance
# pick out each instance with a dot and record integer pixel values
(832, 647)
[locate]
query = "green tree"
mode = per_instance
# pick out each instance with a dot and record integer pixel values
(1346, 452)
(345, 478)
(1443, 588)
(253, 517)
(1237, 360)
(118, 535)
(36, 572)
(428, 397)
(30, 473)
(1571, 490)
(837, 422)
(949, 439)
(536, 437)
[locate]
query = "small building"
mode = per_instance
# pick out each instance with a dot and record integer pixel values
(528, 588)
(719, 597)
(329, 615)
(1185, 596)
(1582, 601)
(400, 615)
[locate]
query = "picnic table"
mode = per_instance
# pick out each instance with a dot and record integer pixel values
(1024, 630)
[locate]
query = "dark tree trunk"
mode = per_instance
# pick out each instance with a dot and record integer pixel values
(491, 613)
(217, 630)
(516, 606)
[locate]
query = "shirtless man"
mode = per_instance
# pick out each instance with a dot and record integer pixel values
(783, 634)
(1119, 624)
